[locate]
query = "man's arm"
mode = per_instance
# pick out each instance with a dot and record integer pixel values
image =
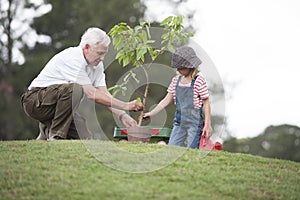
(102, 96)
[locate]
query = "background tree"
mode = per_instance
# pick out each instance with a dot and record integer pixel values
(15, 30)
(16, 18)
(64, 24)
(281, 142)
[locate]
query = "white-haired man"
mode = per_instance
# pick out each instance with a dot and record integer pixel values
(70, 75)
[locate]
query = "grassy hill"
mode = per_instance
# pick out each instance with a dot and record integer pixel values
(66, 170)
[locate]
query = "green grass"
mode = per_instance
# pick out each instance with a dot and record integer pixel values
(66, 170)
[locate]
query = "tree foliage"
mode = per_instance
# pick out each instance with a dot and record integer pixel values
(16, 31)
(64, 24)
(134, 44)
(281, 142)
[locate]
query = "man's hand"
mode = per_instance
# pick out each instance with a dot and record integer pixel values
(135, 106)
(128, 121)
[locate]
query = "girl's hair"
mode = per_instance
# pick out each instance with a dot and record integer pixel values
(194, 72)
(94, 35)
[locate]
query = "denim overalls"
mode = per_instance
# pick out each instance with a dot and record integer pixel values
(188, 121)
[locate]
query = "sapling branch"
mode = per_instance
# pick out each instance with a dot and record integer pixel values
(133, 44)
(140, 119)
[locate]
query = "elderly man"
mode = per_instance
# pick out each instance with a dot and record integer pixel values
(71, 75)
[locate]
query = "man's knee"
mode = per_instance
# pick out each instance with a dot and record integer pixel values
(73, 91)
(29, 103)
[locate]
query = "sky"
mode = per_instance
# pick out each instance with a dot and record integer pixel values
(255, 46)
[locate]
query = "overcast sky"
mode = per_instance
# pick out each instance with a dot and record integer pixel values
(256, 44)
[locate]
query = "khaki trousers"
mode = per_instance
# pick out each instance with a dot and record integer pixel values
(53, 107)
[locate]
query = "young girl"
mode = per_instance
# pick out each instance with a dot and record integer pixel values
(190, 93)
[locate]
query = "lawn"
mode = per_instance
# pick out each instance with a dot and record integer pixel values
(74, 170)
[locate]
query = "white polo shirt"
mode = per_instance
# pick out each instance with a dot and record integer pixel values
(70, 66)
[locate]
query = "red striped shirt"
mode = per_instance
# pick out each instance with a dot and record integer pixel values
(200, 90)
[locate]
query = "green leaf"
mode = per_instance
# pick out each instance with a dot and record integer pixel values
(112, 88)
(126, 78)
(166, 20)
(150, 41)
(133, 75)
(140, 53)
(119, 54)
(138, 100)
(126, 61)
(115, 92)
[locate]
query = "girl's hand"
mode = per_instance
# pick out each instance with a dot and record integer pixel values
(146, 115)
(207, 131)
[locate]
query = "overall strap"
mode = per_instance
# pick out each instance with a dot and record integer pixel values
(193, 81)
(178, 81)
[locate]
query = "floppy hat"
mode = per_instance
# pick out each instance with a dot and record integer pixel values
(185, 57)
